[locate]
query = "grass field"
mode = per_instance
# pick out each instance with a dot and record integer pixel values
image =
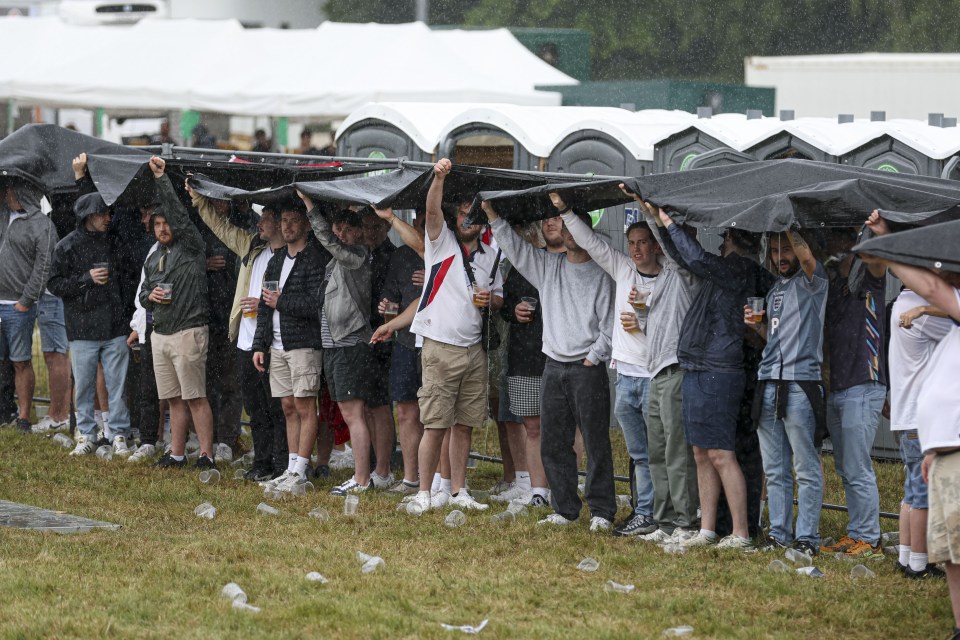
(160, 575)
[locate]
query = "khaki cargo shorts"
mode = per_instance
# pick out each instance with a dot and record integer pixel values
(180, 363)
(454, 385)
(295, 373)
(943, 518)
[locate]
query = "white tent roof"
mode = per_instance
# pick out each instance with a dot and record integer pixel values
(219, 66)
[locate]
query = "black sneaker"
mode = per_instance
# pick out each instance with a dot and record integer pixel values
(322, 471)
(805, 547)
(771, 544)
(538, 501)
(166, 461)
(24, 426)
(930, 571)
(258, 474)
(204, 462)
(638, 525)
(902, 568)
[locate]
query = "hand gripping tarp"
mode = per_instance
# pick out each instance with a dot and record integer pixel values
(934, 246)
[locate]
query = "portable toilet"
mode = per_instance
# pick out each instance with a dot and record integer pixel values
(912, 146)
(395, 130)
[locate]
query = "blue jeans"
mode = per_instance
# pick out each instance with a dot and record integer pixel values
(631, 400)
(115, 357)
(853, 416)
(16, 333)
(786, 444)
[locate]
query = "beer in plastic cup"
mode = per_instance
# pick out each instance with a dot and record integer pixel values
(479, 300)
(167, 289)
(103, 265)
(271, 285)
(640, 301)
(756, 309)
(390, 311)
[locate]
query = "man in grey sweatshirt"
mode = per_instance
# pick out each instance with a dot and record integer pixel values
(27, 241)
(576, 300)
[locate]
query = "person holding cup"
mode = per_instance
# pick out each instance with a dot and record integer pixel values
(95, 323)
(174, 289)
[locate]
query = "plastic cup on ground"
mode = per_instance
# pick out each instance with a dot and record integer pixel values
(798, 558)
(616, 587)
(372, 564)
(105, 453)
(205, 510)
(756, 309)
(675, 549)
(778, 566)
(811, 571)
(232, 592)
(63, 440)
(412, 508)
(677, 632)
(504, 517)
(243, 606)
(210, 477)
(313, 576)
(320, 514)
(350, 505)
(861, 571)
(455, 519)
(588, 564)
(266, 509)
(518, 508)
(239, 474)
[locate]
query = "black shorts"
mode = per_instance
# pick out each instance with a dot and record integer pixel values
(347, 370)
(379, 387)
(404, 374)
(711, 405)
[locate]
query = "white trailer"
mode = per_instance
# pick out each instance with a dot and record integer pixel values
(904, 85)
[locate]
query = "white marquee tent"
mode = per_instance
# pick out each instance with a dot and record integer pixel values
(221, 67)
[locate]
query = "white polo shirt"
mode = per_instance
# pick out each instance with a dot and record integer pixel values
(446, 312)
(938, 409)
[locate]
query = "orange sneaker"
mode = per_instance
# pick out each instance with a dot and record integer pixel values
(863, 550)
(843, 545)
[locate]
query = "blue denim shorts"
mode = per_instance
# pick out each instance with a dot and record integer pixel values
(914, 488)
(711, 406)
(16, 333)
(53, 332)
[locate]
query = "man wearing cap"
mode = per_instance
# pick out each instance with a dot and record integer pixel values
(710, 352)
(27, 240)
(82, 276)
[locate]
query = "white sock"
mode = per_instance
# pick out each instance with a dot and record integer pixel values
(446, 485)
(918, 561)
(541, 491)
(904, 551)
(522, 480)
(300, 466)
(177, 458)
(424, 495)
(435, 485)
(706, 533)
(291, 461)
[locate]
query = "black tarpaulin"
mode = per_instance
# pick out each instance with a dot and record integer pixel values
(399, 188)
(935, 246)
(772, 195)
(116, 175)
(534, 203)
(43, 153)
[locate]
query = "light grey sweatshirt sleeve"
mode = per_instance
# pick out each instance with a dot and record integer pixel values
(602, 347)
(527, 259)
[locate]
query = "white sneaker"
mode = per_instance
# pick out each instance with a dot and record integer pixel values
(680, 536)
(516, 492)
(422, 502)
(350, 486)
(500, 487)
(465, 501)
(272, 484)
(145, 451)
(557, 519)
(600, 524)
(382, 482)
(403, 489)
(49, 424)
(734, 541)
(85, 446)
(657, 537)
(439, 499)
(288, 483)
(698, 540)
(341, 459)
(222, 452)
(121, 448)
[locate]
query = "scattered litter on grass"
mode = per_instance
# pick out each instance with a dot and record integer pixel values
(588, 564)
(63, 440)
(313, 576)
(778, 566)
(320, 514)
(675, 632)
(624, 502)
(798, 558)
(370, 563)
(811, 571)
(232, 591)
(466, 628)
(455, 519)
(266, 509)
(861, 571)
(674, 548)
(210, 477)
(616, 587)
(239, 474)
(243, 606)
(105, 453)
(205, 510)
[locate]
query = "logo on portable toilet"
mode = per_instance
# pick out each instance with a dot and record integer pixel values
(376, 155)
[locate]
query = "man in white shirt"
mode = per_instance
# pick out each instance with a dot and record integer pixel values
(453, 395)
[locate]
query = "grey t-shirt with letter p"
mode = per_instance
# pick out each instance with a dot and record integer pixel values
(796, 307)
